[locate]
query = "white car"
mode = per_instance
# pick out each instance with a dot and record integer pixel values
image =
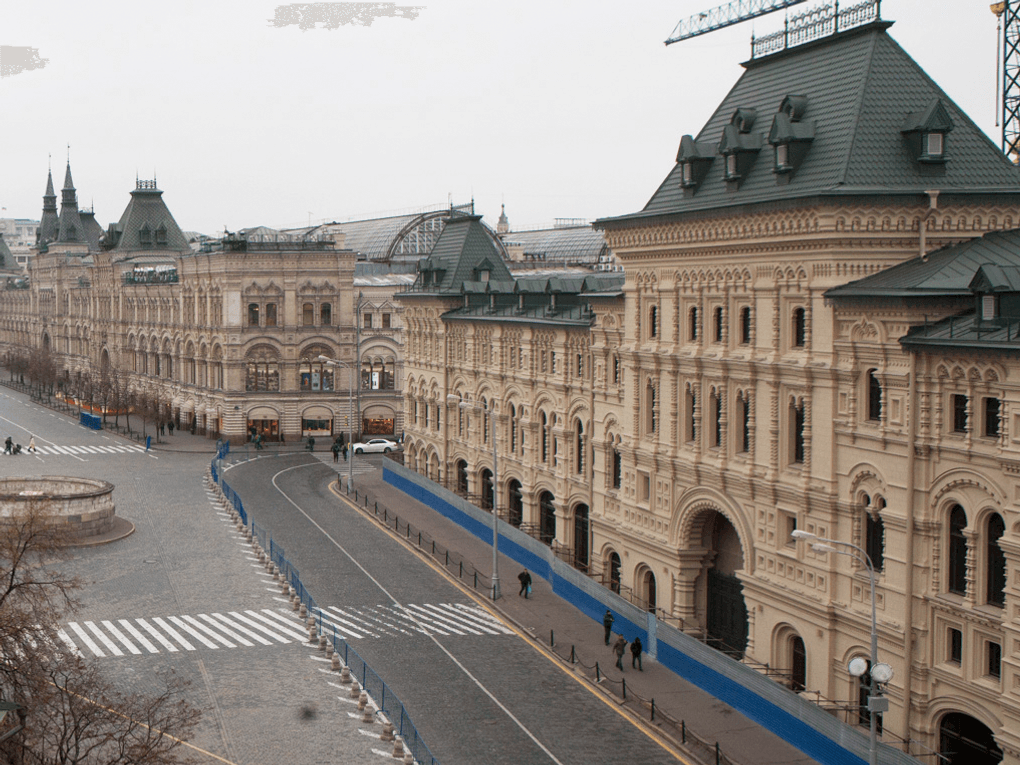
(375, 445)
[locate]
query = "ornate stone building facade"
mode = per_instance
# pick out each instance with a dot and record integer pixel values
(670, 435)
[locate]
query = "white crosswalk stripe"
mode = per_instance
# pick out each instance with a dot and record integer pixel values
(251, 628)
(55, 450)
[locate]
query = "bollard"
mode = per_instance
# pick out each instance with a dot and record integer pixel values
(408, 758)
(598, 675)
(329, 650)
(295, 604)
(398, 748)
(387, 732)
(716, 753)
(461, 574)
(573, 656)
(624, 681)
(310, 622)
(322, 643)
(447, 557)
(355, 689)
(335, 666)
(362, 701)
(312, 637)
(476, 580)
(552, 638)
(653, 710)
(345, 673)
(303, 612)
(683, 732)
(369, 716)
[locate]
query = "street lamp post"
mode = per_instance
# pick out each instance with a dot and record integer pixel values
(487, 410)
(350, 416)
(880, 673)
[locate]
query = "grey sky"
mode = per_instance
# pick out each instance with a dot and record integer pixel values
(560, 109)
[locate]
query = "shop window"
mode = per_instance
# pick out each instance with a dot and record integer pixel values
(315, 375)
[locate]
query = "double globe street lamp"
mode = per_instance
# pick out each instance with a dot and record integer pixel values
(350, 415)
(487, 410)
(880, 673)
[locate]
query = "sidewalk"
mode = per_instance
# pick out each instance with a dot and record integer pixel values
(548, 618)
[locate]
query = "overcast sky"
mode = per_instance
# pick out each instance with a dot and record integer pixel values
(560, 109)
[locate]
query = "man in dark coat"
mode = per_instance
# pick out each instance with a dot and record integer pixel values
(607, 622)
(635, 654)
(525, 578)
(619, 648)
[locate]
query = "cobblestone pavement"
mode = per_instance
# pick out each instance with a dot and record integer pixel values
(263, 703)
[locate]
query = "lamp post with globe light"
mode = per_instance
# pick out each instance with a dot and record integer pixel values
(487, 410)
(350, 416)
(880, 673)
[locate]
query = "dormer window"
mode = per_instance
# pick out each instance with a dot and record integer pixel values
(161, 235)
(782, 156)
(790, 136)
(483, 276)
(925, 132)
(695, 159)
(145, 235)
(739, 146)
(987, 307)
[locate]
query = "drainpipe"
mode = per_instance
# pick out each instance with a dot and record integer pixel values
(933, 205)
(908, 617)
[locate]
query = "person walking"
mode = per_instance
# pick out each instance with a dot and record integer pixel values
(170, 427)
(525, 578)
(8, 445)
(343, 449)
(607, 622)
(635, 654)
(31, 444)
(619, 647)
(336, 451)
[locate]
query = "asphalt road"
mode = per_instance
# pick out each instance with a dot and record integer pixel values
(484, 698)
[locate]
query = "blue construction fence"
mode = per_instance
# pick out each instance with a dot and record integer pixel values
(776, 708)
(91, 421)
(387, 701)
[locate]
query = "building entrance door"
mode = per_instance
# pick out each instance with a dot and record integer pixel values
(727, 614)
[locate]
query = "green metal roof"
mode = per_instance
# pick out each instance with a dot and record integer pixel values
(946, 272)
(147, 209)
(462, 252)
(859, 88)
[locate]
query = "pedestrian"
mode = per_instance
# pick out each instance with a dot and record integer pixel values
(635, 654)
(344, 450)
(170, 427)
(607, 622)
(525, 578)
(31, 444)
(619, 647)
(8, 445)
(336, 451)
(282, 439)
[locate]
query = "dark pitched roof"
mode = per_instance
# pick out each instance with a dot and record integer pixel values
(71, 229)
(463, 250)
(7, 262)
(859, 88)
(946, 272)
(147, 212)
(966, 332)
(49, 224)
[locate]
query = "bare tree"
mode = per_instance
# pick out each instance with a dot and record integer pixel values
(75, 714)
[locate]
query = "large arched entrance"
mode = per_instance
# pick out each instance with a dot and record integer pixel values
(966, 741)
(515, 507)
(547, 518)
(649, 592)
(581, 527)
(462, 478)
(725, 614)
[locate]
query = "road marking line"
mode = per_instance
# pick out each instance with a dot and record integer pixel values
(120, 636)
(157, 635)
(70, 643)
(239, 628)
(187, 628)
(202, 628)
(261, 628)
(139, 636)
(478, 616)
(174, 634)
(110, 645)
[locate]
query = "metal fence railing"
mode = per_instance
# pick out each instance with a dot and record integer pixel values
(386, 700)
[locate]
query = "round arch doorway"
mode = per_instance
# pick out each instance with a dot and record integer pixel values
(720, 593)
(964, 740)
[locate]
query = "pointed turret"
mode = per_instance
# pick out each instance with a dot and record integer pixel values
(503, 227)
(70, 219)
(49, 225)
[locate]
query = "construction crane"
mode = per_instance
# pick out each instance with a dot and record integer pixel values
(725, 16)
(1008, 57)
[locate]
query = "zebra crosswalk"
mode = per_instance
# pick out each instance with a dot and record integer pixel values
(237, 629)
(77, 451)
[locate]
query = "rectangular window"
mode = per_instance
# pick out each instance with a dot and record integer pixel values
(644, 487)
(385, 321)
(992, 407)
(617, 469)
(745, 326)
(367, 321)
(955, 647)
(959, 413)
(270, 314)
(307, 314)
(987, 307)
(253, 314)
(994, 660)
(731, 165)
(934, 144)
(326, 314)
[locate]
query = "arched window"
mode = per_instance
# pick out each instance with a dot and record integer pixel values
(485, 422)
(874, 534)
(798, 664)
(874, 397)
(315, 375)
(547, 518)
(614, 572)
(262, 371)
(650, 593)
(796, 432)
(579, 440)
(617, 467)
(957, 558)
(995, 562)
(545, 438)
(799, 327)
(513, 428)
